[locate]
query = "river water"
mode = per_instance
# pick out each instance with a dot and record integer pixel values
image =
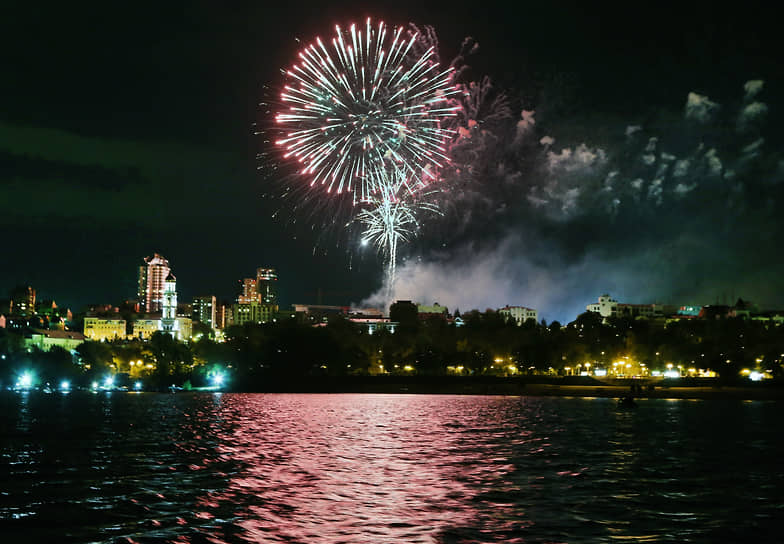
(211, 467)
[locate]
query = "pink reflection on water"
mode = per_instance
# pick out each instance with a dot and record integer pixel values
(353, 468)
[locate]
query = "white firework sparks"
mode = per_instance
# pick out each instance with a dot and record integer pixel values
(365, 114)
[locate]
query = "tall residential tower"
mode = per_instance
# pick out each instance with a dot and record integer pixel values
(152, 277)
(205, 309)
(267, 285)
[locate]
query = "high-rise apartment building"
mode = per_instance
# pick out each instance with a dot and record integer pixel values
(267, 285)
(253, 312)
(152, 277)
(262, 289)
(250, 292)
(221, 318)
(204, 309)
(258, 301)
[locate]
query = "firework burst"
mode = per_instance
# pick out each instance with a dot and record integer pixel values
(365, 114)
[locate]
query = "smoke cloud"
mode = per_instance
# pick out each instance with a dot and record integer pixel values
(682, 209)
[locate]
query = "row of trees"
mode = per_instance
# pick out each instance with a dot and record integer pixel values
(159, 362)
(486, 345)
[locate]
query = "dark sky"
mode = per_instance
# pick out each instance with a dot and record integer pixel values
(129, 129)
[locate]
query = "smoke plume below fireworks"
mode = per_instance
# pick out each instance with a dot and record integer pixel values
(679, 209)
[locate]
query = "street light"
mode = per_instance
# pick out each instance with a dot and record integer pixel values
(25, 381)
(217, 379)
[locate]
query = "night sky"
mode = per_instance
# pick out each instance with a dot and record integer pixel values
(130, 129)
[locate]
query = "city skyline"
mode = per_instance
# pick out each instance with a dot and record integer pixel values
(256, 301)
(656, 113)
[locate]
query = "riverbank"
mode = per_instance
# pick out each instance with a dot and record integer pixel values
(740, 393)
(537, 386)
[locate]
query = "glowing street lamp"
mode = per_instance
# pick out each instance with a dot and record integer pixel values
(218, 378)
(25, 380)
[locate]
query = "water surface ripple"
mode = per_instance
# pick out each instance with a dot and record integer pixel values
(117, 467)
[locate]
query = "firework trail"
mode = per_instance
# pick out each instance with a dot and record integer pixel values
(390, 220)
(366, 115)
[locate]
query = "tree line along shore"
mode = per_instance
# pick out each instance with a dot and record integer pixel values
(487, 354)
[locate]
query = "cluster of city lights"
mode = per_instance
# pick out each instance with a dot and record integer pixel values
(27, 381)
(625, 367)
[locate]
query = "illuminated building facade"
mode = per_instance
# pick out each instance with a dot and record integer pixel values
(609, 307)
(45, 339)
(222, 318)
(184, 327)
(152, 277)
(102, 330)
(520, 314)
(606, 307)
(267, 285)
(169, 317)
(373, 324)
(250, 292)
(204, 309)
(143, 329)
(253, 312)
(263, 288)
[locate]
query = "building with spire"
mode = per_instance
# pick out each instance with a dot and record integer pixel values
(169, 314)
(157, 295)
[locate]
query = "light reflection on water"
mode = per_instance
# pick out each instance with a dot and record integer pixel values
(386, 468)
